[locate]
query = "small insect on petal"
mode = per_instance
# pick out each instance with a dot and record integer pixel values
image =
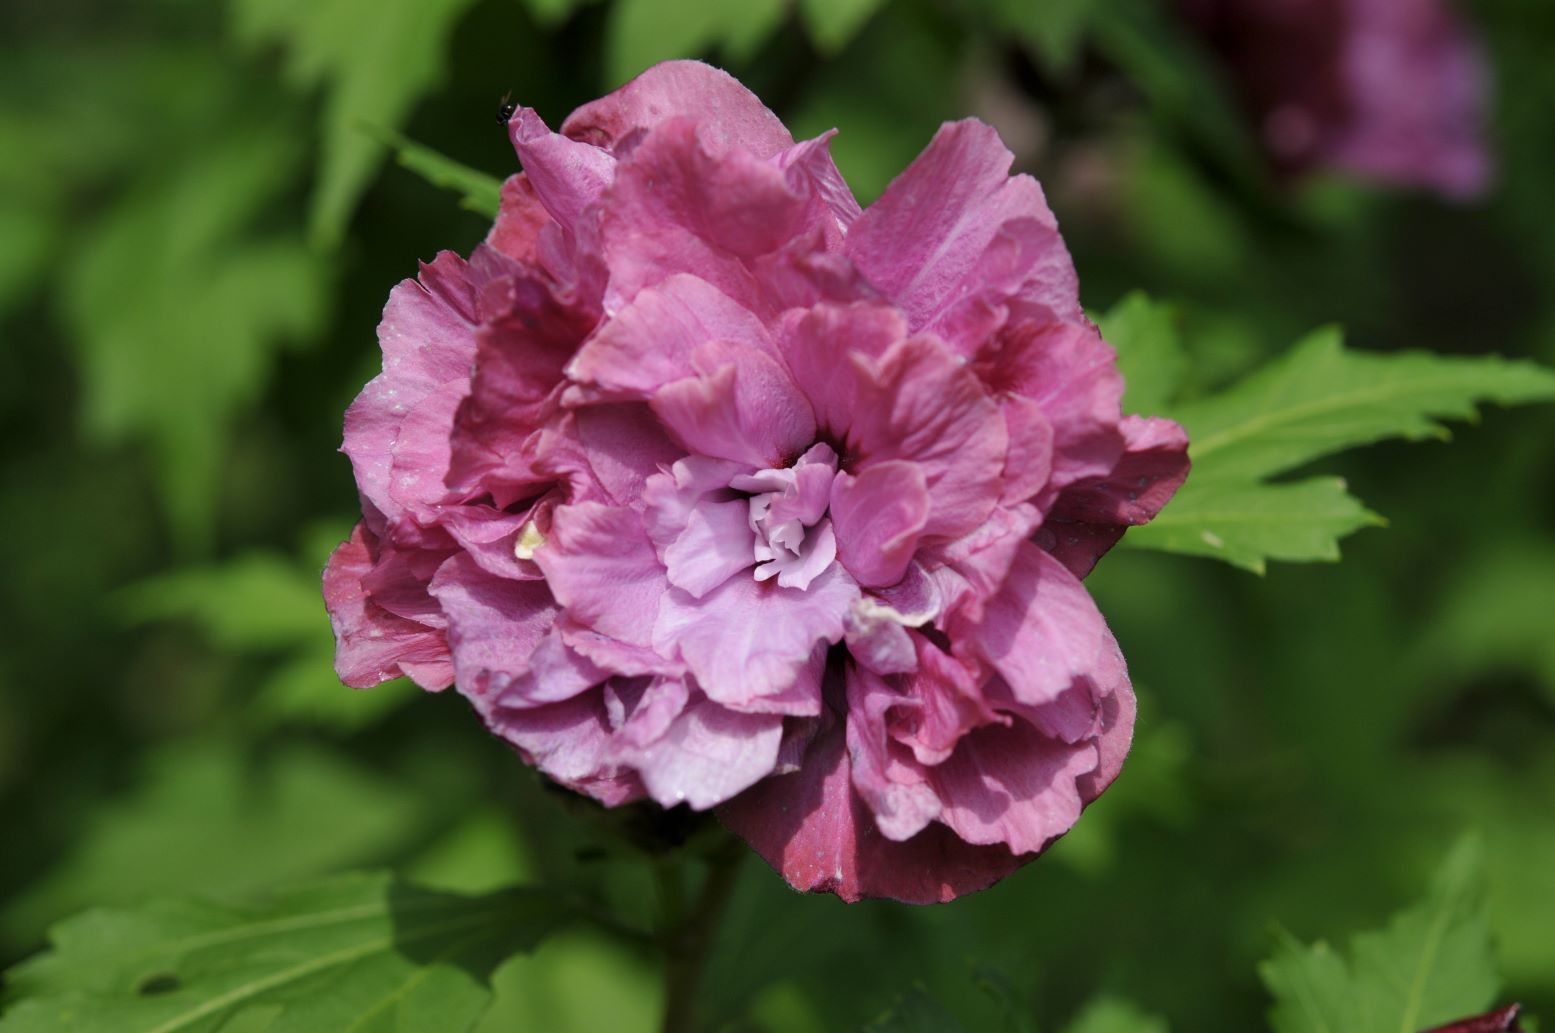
(505, 109)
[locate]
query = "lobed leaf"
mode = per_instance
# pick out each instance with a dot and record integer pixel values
(1431, 964)
(358, 953)
(1320, 398)
(1247, 524)
(1316, 400)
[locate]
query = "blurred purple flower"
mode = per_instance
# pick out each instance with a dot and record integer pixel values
(1389, 90)
(705, 486)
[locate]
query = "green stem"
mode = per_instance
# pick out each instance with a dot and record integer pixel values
(688, 941)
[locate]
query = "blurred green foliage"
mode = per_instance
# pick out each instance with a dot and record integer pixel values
(198, 228)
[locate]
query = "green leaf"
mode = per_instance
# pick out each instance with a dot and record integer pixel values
(1247, 524)
(373, 62)
(358, 953)
(209, 816)
(1430, 965)
(1316, 400)
(1321, 398)
(177, 302)
(1111, 1015)
(833, 23)
(478, 191)
(1150, 352)
(644, 32)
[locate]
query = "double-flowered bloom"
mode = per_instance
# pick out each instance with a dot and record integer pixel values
(705, 486)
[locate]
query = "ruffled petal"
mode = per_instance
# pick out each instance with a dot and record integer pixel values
(732, 115)
(373, 645)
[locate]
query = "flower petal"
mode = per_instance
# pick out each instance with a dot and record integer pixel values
(373, 645)
(748, 641)
(920, 241)
(600, 565)
(879, 517)
(816, 831)
(733, 115)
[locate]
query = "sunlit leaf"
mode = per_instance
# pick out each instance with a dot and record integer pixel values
(1150, 353)
(357, 953)
(373, 61)
(1431, 964)
(1246, 524)
(1321, 398)
(1316, 400)
(1111, 1015)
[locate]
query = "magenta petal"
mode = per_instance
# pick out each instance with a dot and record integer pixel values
(748, 641)
(649, 343)
(733, 116)
(920, 240)
(1072, 374)
(815, 830)
(895, 788)
(1090, 515)
(878, 517)
(714, 546)
(572, 743)
(1013, 786)
(428, 339)
(567, 175)
(745, 409)
(625, 447)
(494, 624)
(708, 754)
(1042, 631)
(921, 403)
(816, 347)
(602, 568)
(812, 159)
(373, 645)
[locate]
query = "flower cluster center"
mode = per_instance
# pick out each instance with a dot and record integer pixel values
(794, 541)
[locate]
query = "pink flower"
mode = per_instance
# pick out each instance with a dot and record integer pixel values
(1390, 90)
(705, 486)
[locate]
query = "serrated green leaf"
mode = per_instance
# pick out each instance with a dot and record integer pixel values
(348, 955)
(1150, 352)
(1430, 965)
(833, 23)
(373, 61)
(1321, 398)
(1316, 400)
(1111, 1015)
(641, 33)
(1247, 524)
(478, 191)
